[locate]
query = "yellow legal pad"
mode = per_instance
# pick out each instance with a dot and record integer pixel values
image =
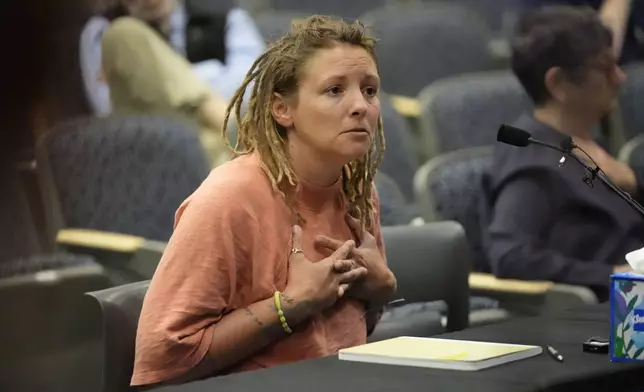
(439, 353)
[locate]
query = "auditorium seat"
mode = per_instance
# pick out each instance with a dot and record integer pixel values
(421, 43)
(112, 187)
(449, 187)
(467, 110)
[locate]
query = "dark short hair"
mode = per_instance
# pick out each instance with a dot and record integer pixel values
(556, 36)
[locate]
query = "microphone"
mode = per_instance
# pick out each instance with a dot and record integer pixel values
(513, 136)
(520, 138)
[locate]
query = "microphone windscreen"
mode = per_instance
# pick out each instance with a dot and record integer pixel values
(513, 136)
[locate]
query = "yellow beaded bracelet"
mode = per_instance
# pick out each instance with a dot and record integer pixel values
(280, 312)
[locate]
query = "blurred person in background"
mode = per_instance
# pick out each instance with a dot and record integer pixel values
(545, 223)
(625, 18)
(165, 56)
(279, 256)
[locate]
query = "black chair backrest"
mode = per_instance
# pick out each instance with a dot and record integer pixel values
(121, 307)
(431, 263)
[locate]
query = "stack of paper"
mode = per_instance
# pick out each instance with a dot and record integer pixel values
(439, 353)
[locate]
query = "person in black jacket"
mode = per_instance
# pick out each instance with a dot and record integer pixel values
(545, 222)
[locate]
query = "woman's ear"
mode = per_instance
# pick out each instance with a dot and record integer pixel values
(555, 81)
(281, 111)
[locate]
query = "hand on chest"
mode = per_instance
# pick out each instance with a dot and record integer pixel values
(335, 227)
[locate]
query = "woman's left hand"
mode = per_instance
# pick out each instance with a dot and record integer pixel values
(380, 283)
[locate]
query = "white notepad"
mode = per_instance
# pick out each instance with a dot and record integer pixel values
(439, 353)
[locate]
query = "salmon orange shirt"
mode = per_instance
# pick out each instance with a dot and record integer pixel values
(230, 248)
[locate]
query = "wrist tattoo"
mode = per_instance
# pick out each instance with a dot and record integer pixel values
(254, 316)
(287, 299)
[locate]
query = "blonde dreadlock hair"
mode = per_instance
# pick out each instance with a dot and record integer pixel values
(277, 71)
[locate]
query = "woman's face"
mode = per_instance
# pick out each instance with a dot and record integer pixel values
(336, 108)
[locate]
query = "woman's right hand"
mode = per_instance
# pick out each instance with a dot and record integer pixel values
(320, 284)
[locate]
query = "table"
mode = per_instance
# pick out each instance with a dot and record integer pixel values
(565, 331)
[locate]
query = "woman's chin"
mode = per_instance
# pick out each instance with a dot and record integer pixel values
(355, 152)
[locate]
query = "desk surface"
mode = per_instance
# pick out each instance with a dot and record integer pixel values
(566, 332)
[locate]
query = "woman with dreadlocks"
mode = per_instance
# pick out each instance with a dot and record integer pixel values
(278, 256)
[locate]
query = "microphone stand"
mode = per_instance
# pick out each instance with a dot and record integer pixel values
(591, 173)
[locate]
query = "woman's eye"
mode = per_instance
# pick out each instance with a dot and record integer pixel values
(371, 91)
(335, 90)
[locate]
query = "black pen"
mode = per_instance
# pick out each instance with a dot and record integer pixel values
(555, 354)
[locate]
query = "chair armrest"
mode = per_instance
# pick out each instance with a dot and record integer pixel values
(487, 282)
(530, 297)
(126, 258)
(108, 241)
(407, 106)
(563, 296)
(50, 277)
(54, 315)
